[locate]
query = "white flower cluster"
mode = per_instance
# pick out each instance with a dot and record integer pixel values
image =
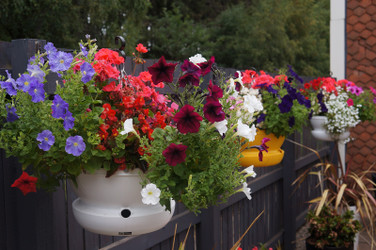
(341, 116)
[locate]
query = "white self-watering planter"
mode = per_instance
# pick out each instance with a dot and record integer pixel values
(113, 206)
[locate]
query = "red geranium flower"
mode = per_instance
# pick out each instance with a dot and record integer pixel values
(141, 48)
(187, 120)
(26, 183)
(175, 154)
(162, 71)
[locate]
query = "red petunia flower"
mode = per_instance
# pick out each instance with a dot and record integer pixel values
(175, 154)
(213, 110)
(215, 91)
(206, 66)
(141, 48)
(162, 71)
(26, 183)
(187, 120)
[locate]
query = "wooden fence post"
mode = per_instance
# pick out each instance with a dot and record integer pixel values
(209, 232)
(289, 216)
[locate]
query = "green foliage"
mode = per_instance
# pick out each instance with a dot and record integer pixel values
(330, 228)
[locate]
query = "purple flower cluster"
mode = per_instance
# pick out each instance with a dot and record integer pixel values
(60, 110)
(46, 139)
(58, 60)
(9, 85)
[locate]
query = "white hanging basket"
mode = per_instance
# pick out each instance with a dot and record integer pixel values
(113, 206)
(320, 133)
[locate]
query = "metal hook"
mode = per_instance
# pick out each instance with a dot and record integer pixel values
(122, 45)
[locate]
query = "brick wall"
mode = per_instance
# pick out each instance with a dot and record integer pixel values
(361, 69)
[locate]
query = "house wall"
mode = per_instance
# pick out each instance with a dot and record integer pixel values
(361, 69)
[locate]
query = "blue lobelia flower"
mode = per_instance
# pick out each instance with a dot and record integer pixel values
(60, 61)
(36, 91)
(286, 104)
(24, 82)
(87, 72)
(59, 107)
(75, 145)
(35, 71)
(46, 139)
(68, 121)
(12, 115)
(9, 85)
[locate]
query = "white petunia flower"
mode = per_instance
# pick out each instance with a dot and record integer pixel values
(221, 126)
(128, 127)
(196, 59)
(249, 172)
(150, 194)
(245, 131)
(252, 104)
(246, 190)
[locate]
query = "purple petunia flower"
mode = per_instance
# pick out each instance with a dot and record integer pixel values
(324, 109)
(32, 60)
(191, 75)
(75, 145)
(36, 91)
(9, 85)
(213, 110)
(83, 50)
(356, 90)
(87, 72)
(59, 107)
(261, 118)
(294, 74)
(175, 154)
(46, 139)
(24, 82)
(35, 71)
(187, 120)
(270, 89)
(60, 61)
(68, 121)
(302, 100)
(286, 104)
(50, 48)
(11, 115)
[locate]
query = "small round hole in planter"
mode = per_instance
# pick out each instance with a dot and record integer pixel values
(125, 213)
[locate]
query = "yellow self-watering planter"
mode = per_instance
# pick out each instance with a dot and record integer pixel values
(250, 156)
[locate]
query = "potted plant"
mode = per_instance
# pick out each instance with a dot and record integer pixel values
(284, 110)
(195, 160)
(338, 106)
(331, 230)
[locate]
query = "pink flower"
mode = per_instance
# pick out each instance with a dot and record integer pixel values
(175, 154)
(350, 102)
(187, 120)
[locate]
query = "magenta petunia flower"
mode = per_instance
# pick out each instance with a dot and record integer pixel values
(206, 66)
(175, 154)
(213, 110)
(191, 74)
(350, 102)
(162, 71)
(215, 91)
(187, 120)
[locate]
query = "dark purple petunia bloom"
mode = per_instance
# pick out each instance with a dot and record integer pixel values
(46, 139)
(291, 91)
(187, 120)
(215, 91)
(162, 71)
(59, 107)
(75, 145)
(213, 111)
(68, 121)
(310, 114)
(294, 74)
(60, 61)
(302, 100)
(320, 96)
(286, 104)
(87, 72)
(37, 92)
(175, 154)
(271, 90)
(83, 50)
(206, 66)
(35, 71)
(323, 107)
(9, 85)
(191, 74)
(25, 81)
(291, 121)
(261, 118)
(11, 115)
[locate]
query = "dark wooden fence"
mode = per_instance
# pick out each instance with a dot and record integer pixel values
(45, 220)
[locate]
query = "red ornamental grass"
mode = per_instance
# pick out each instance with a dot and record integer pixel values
(175, 154)
(187, 120)
(26, 183)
